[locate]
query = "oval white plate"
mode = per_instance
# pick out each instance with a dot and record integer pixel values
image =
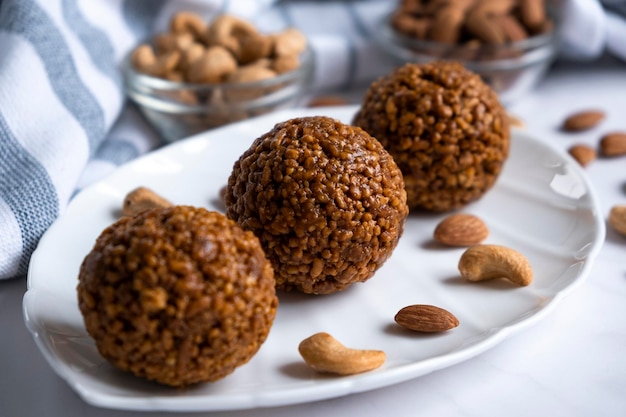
(542, 205)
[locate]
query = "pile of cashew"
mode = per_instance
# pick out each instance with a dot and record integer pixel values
(228, 49)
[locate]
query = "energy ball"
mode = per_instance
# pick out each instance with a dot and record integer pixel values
(325, 199)
(445, 128)
(177, 295)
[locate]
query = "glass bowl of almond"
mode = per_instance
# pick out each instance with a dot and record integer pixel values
(203, 74)
(509, 43)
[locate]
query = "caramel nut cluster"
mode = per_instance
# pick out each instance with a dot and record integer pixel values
(444, 127)
(178, 295)
(325, 199)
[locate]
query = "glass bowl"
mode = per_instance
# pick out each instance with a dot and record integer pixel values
(511, 69)
(178, 110)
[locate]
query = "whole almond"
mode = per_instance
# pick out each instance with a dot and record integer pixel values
(461, 229)
(426, 318)
(323, 101)
(533, 13)
(613, 144)
(446, 25)
(484, 27)
(496, 7)
(512, 29)
(617, 218)
(584, 154)
(583, 120)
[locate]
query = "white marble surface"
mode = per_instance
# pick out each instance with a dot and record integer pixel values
(572, 363)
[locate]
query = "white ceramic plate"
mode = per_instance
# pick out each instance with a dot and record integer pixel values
(542, 205)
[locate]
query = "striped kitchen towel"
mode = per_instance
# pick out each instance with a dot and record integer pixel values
(64, 122)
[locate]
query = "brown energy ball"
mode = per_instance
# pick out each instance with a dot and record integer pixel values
(325, 199)
(177, 295)
(445, 128)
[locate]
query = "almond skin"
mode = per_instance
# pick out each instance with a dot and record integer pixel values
(583, 120)
(461, 229)
(584, 154)
(613, 144)
(426, 318)
(533, 13)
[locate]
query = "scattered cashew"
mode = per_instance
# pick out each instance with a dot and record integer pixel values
(141, 199)
(324, 353)
(485, 262)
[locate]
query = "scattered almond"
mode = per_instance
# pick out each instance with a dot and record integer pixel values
(486, 262)
(515, 121)
(461, 229)
(584, 154)
(426, 318)
(323, 101)
(324, 353)
(613, 144)
(617, 218)
(583, 120)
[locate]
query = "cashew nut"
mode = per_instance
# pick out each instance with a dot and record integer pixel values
(285, 63)
(226, 30)
(191, 55)
(187, 22)
(324, 353)
(289, 42)
(485, 262)
(213, 66)
(141, 199)
(253, 48)
(144, 60)
(166, 42)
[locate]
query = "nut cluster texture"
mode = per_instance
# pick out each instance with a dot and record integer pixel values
(325, 199)
(177, 295)
(444, 127)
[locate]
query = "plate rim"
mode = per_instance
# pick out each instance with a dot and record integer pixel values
(351, 384)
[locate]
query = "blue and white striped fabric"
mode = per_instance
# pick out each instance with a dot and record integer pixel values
(63, 119)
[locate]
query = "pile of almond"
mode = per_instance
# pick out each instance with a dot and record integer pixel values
(472, 22)
(610, 144)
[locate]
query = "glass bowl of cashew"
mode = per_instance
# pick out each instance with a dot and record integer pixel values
(200, 75)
